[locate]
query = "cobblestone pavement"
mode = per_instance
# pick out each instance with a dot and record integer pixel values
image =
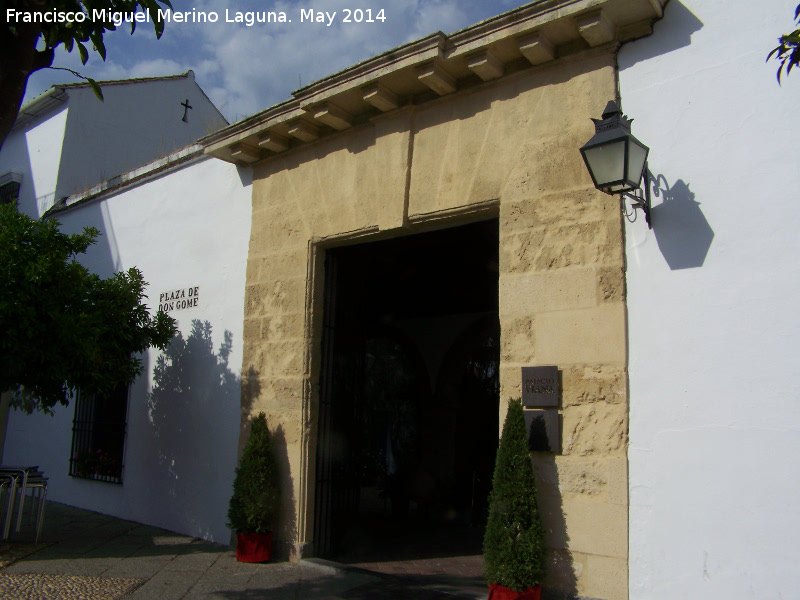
(88, 556)
(65, 587)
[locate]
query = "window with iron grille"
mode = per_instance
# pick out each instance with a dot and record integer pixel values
(98, 436)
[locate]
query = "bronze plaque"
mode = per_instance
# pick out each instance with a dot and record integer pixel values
(540, 386)
(543, 430)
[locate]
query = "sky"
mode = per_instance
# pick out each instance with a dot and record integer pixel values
(245, 69)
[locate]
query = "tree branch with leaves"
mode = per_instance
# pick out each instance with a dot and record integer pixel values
(28, 41)
(63, 327)
(788, 50)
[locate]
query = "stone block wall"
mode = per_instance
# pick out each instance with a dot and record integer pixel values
(562, 294)
(510, 147)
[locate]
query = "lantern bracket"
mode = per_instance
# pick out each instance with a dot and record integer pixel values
(639, 200)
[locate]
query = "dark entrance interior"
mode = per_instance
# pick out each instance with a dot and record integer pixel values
(408, 418)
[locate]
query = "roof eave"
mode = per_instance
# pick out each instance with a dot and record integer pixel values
(436, 65)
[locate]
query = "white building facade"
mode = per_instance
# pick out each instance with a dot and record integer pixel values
(714, 346)
(128, 167)
(186, 230)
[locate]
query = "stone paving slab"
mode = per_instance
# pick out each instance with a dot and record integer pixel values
(135, 567)
(167, 586)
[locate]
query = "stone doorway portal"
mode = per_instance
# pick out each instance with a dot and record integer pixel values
(409, 395)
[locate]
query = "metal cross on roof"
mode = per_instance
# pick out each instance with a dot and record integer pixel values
(186, 108)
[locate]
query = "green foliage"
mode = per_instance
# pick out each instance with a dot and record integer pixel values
(63, 327)
(255, 503)
(788, 50)
(513, 546)
(28, 41)
(77, 34)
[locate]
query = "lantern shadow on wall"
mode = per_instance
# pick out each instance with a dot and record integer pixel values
(683, 233)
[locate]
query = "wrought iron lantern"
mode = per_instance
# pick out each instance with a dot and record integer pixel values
(616, 160)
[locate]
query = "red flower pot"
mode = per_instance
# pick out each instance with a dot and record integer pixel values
(253, 547)
(501, 592)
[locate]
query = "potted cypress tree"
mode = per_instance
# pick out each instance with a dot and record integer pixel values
(255, 504)
(513, 545)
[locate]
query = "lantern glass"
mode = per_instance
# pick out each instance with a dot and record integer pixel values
(637, 155)
(606, 162)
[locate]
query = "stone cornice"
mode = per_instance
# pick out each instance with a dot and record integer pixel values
(434, 66)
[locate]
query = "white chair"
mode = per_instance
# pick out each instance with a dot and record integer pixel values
(37, 484)
(7, 486)
(24, 479)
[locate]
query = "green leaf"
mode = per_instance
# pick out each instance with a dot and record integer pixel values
(83, 52)
(95, 88)
(158, 24)
(97, 40)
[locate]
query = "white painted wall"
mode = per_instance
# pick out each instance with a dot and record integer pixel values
(35, 152)
(134, 124)
(188, 228)
(714, 329)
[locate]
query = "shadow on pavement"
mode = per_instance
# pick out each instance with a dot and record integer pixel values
(112, 556)
(69, 532)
